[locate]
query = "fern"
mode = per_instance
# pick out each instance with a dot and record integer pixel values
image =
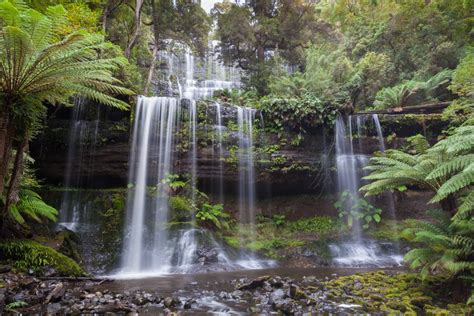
(31, 205)
(35, 59)
(448, 246)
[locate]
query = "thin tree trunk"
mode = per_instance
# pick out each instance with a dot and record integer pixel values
(17, 172)
(136, 28)
(104, 19)
(7, 132)
(151, 70)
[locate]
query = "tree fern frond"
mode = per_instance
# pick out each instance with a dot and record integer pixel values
(455, 183)
(449, 167)
(466, 208)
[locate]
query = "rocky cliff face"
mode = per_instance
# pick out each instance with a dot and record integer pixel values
(285, 162)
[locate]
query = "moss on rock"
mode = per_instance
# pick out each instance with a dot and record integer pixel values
(394, 294)
(30, 255)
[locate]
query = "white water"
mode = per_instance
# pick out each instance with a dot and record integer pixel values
(82, 144)
(350, 169)
(245, 119)
(220, 145)
(150, 247)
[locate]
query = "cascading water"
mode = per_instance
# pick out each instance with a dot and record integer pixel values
(245, 118)
(150, 246)
(350, 170)
(81, 146)
(220, 145)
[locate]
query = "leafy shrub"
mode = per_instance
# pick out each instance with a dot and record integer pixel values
(318, 224)
(29, 254)
(279, 220)
(414, 92)
(352, 208)
(181, 208)
(214, 215)
(298, 113)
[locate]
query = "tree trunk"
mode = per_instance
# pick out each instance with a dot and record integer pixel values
(104, 19)
(7, 132)
(136, 28)
(151, 70)
(17, 172)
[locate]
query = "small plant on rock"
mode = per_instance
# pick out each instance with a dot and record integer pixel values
(352, 208)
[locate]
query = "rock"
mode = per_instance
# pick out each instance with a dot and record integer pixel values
(296, 293)
(237, 294)
(256, 283)
(56, 294)
(420, 301)
(398, 306)
(377, 297)
(169, 302)
(112, 308)
(5, 268)
(189, 303)
(207, 256)
(2, 303)
(53, 309)
(277, 295)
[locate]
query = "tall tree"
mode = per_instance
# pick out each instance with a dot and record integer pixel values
(250, 34)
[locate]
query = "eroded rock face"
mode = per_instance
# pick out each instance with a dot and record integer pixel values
(284, 162)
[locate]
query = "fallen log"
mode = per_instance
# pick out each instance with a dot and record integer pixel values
(415, 109)
(75, 279)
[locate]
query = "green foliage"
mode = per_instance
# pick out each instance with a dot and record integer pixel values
(213, 214)
(32, 205)
(248, 32)
(279, 220)
(298, 114)
(326, 75)
(395, 97)
(351, 209)
(318, 224)
(463, 82)
(414, 92)
(174, 181)
(447, 246)
(28, 254)
(11, 307)
(445, 243)
(39, 62)
(418, 144)
(373, 72)
(187, 202)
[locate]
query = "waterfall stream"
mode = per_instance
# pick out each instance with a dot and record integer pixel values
(150, 246)
(350, 165)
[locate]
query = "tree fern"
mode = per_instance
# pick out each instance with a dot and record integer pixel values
(34, 60)
(447, 246)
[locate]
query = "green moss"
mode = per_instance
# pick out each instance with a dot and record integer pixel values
(390, 229)
(29, 254)
(232, 241)
(317, 224)
(180, 208)
(395, 294)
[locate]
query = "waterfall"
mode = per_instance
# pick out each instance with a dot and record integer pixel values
(220, 146)
(245, 118)
(150, 246)
(349, 167)
(350, 170)
(152, 144)
(82, 143)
